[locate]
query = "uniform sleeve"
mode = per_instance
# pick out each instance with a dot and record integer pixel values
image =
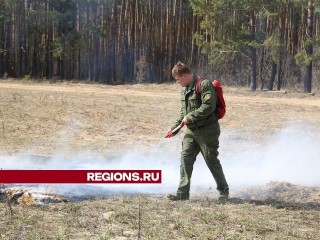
(208, 103)
(181, 114)
(179, 119)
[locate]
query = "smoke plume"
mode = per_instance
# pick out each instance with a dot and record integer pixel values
(291, 155)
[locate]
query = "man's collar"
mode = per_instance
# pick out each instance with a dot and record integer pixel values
(192, 85)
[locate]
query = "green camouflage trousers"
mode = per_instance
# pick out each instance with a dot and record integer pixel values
(205, 140)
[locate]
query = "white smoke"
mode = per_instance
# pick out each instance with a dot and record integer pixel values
(292, 155)
(164, 157)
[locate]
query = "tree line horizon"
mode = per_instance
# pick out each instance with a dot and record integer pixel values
(260, 44)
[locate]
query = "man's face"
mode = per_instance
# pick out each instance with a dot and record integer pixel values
(184, 79)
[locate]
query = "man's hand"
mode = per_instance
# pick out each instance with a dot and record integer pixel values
(169, 134)
(184, 121)
(174, 131)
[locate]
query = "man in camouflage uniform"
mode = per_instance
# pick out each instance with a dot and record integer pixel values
(202, 133)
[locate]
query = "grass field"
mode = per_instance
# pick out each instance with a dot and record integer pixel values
(72, 119)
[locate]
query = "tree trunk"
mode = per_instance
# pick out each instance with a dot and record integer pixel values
(261, 68)
(273, 75)
(279, 80)
(2, 41)
(309, 47)
(253, 52)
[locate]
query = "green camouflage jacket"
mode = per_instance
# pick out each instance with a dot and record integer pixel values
(198, 111)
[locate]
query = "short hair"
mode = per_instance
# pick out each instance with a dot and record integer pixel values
(180, 69)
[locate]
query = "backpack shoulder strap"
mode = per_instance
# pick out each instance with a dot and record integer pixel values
(198, 85)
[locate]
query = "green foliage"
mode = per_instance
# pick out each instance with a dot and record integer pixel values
(317, 6)
(273, 44)
(26, 77)
(225, 28)
(140, 78)
(302, 58)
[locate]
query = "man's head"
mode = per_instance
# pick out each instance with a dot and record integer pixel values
(182, 73)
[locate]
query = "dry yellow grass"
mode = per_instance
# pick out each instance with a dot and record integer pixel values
(71, 117)
(48, 117)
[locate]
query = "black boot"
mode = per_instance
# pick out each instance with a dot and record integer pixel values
(223, 194)
(178, 197)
